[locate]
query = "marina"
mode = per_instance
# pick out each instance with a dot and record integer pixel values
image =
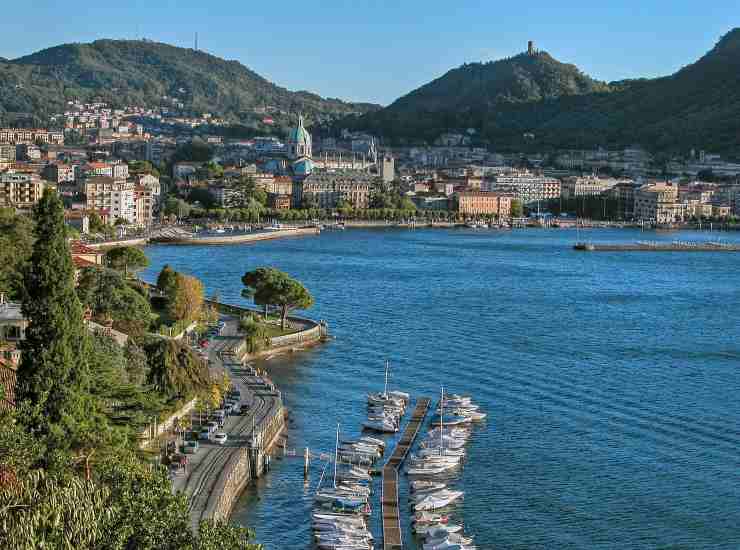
(624, 403)
(659, 246)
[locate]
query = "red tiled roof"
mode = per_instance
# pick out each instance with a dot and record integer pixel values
(80, 248)
(82, 262)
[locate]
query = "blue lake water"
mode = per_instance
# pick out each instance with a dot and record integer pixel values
(612, 380)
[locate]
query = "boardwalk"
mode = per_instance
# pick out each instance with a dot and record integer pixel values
(389, 495)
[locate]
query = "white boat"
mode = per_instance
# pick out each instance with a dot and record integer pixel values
(433, 502)
(430, 470)
(440, 494)
(437, 530)
(437, 451)
(420, 486)
(380, 426)
(426, 518)
(448, 542)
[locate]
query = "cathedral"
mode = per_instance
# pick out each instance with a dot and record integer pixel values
(299, 150)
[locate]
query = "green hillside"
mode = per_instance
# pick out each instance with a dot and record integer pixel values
(698, 106)
(125, 72)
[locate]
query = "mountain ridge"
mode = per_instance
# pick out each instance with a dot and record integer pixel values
(697, 106)
(142, 72)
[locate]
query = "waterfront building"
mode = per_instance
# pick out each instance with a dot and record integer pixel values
(327, 189)
(20, 190)
(485, 203)
(526, 186)
(585, 186)
(280, 202)
(7, 153)
(658, 202)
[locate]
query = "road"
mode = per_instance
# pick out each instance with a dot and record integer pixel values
(205, 467)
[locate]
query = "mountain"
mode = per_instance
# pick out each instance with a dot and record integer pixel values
(698, 106)
(139, 72)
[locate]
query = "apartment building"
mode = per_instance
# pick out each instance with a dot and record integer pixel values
(30, 135)
(116, 197)
(20, 190)
(526, 186)
(477, 203)
(658, 202)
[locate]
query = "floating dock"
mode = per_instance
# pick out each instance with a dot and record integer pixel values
(659, 247)
(392, 539)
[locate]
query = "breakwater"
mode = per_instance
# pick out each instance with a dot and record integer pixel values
(185, 238)
(658, 247)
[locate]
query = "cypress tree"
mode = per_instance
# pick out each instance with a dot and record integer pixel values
(53, 373)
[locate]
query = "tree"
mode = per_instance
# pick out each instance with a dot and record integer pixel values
(216, 535)
(53, 373)
(174, 370)
(176, 207)
(202, 196)
(126, 257)
(167, 281)
(517, 211)
(273, 287)
(255, 336)
(16, 245)
(187, 303)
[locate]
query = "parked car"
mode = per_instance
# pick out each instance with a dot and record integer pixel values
(212, 426)
(220, 438)
(205, 434)
(236, 409)
(191, 447)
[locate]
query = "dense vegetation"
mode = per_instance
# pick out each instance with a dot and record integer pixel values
(70, 474)
(137, 72)
(697, 107)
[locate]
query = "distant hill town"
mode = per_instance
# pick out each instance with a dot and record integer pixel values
(151, 74)
(532, 101)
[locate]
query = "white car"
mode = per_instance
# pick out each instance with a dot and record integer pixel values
(220, 438)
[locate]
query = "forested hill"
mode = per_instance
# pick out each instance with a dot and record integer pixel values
(139, 72)
(698, 106)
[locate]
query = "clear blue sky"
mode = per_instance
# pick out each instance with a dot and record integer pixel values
(379, 50)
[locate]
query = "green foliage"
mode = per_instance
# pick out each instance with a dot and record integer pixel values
(109, 297)
(53, 372)
(137, 167)
(217, 535)
(96, 225)
(16, 242)
(174, 370)
(248, 195)
(136, 72)
(269, 286)
(126, 258)
(176, 207)
(193, 151)
(517, 210)
(502, 100)
(202, 196)
(255, 336)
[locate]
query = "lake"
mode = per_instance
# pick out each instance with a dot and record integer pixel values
(611, 379)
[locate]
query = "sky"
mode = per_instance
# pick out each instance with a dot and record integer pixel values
(377, 50)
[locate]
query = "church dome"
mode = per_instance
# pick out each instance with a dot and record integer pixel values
(299, 135)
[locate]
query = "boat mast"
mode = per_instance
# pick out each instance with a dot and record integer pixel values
(336, 456)
(441, 421)
(385, 388)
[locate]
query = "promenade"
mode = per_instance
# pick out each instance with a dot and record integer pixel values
(249, 435)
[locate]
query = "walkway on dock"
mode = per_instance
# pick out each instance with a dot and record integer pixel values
(389, 495)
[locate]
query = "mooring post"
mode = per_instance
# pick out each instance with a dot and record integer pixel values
(305, 463)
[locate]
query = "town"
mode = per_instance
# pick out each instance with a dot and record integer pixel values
(134, 167)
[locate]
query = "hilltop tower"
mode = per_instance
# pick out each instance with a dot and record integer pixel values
(530, 48)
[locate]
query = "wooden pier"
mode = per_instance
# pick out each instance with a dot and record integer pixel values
(392, 539)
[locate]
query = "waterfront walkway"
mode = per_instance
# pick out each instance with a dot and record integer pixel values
(392, 539)
(262, 402)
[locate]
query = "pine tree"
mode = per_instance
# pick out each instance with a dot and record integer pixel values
(53, 374)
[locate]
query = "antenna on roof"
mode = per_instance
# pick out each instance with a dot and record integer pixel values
(196, 41)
